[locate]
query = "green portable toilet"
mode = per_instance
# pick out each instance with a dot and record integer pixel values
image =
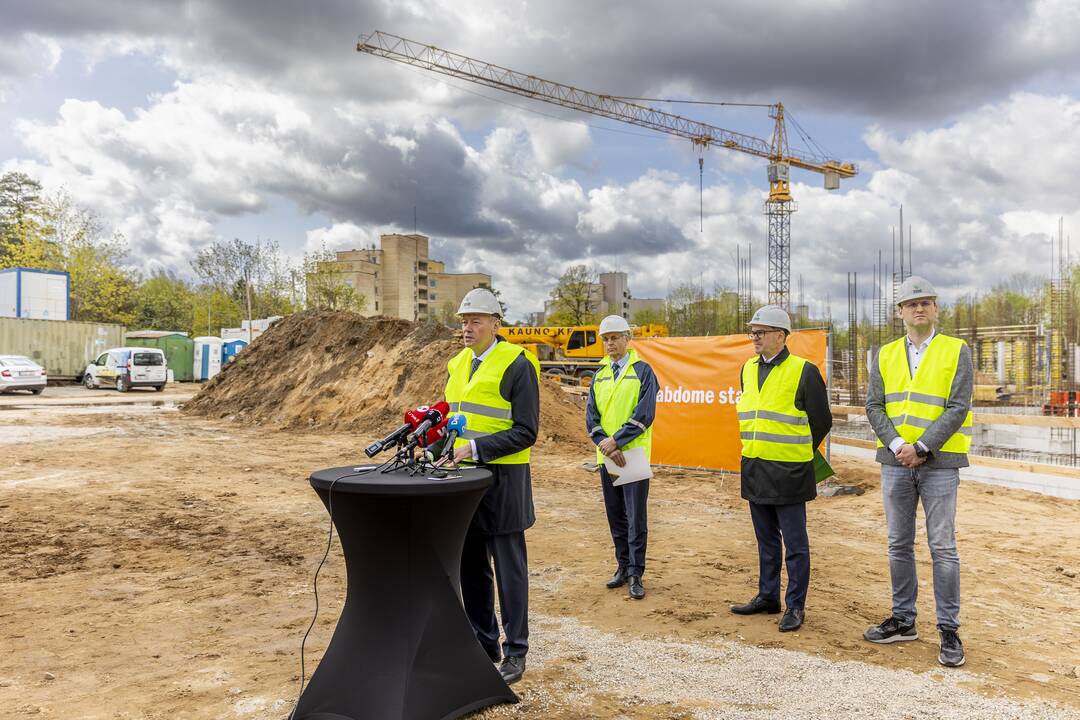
(178, 348)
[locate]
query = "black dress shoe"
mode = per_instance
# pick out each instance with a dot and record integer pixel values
(792, 620)
(512, 669)
(617, 580)
(757, 605)
(637, 590)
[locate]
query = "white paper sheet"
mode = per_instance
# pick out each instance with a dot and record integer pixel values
(637, 467)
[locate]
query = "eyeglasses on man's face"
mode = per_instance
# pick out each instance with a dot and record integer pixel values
(758, 334)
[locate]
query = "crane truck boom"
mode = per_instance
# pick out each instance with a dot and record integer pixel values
(575, 350)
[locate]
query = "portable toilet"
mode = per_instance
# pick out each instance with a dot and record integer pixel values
(230, 349)
(207, 358)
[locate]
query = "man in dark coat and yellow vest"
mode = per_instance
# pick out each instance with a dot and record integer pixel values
(619, 417)
(495, 385)
(919, 404)
(783, 415)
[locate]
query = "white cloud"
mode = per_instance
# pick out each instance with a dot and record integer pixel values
(279, 117)
(26, 55)
(343, 236)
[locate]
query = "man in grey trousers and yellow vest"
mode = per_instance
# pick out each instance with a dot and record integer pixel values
(783, 415)
(495, 385)
(919, 404)
(618, 417)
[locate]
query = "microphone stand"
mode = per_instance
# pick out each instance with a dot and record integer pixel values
(403, 459)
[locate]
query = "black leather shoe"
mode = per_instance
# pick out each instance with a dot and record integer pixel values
(512, 669)
(757, 605)
(792, 620)
(617, 580)
(495, 655)
(637, 590)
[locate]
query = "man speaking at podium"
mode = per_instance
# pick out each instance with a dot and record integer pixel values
(495, 385)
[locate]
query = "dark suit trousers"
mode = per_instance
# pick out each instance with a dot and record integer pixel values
(478, 584)
(778, 527)
(628, 521)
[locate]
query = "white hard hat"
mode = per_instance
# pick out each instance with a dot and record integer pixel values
(913, 288)
(481, 301)
(614, 323)
(772, 316)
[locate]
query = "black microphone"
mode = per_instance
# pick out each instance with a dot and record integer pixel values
(434, 416)
(412, 419)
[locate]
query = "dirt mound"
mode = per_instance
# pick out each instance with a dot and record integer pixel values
(342, 371)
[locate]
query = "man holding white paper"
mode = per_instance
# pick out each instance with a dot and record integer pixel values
(619, 418)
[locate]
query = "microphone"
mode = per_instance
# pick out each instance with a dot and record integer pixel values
(432, 436)
(412, 419)
(455, 428)
(434, 416)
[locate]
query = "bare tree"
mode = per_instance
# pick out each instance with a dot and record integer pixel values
(237, 268)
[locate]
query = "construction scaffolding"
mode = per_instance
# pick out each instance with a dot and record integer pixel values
(1061, 335)
(851, 362)
(744, 285)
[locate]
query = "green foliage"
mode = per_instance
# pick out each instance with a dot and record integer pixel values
(102, 288)
(164, 302)
(213, 310)
(324, 286)
(649, 316)
(21, 221)
(574, 299)
(53, 233)
(253, 274)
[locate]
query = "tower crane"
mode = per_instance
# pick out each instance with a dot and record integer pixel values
(781, 158)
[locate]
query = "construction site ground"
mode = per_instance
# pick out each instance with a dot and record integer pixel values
(159, 565)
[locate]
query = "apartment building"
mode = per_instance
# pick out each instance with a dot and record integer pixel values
(400, 280)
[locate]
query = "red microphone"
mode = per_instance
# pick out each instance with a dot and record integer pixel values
(432, 416)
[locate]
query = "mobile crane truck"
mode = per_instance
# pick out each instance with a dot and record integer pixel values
(574, 351)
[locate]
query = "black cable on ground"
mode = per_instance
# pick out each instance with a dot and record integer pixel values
(329, 542)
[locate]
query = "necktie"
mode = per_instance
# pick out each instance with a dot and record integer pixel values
(475, 364)
(615, 371)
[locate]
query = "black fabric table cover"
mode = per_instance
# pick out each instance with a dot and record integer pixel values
(403, 648)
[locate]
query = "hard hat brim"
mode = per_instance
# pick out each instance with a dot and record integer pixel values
(932, 296)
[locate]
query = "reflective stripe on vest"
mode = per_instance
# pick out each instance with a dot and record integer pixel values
(486, 411)
(914, 403)
(770, 426)
(616, 399)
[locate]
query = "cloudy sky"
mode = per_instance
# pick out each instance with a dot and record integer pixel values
(186, 122)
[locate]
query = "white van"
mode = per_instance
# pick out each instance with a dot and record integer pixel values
(125, 368)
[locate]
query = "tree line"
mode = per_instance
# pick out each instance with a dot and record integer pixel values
(234, 280)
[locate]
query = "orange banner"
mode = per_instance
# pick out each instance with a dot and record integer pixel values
(696, 424)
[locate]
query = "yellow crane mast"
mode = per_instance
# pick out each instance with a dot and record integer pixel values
(779, 205)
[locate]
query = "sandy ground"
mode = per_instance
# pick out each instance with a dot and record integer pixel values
(159, 566)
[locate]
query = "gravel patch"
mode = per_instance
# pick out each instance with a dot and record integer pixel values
(720, 679)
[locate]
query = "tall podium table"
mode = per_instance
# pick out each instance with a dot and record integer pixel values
(403, 648)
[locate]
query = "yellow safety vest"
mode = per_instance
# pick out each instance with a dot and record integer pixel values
(770, 425)
(914, 403)
(486, 411)
(616, 399)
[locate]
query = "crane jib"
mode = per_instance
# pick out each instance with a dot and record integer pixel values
(436, 59)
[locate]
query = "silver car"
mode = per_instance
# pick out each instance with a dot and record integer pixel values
(21, 373)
